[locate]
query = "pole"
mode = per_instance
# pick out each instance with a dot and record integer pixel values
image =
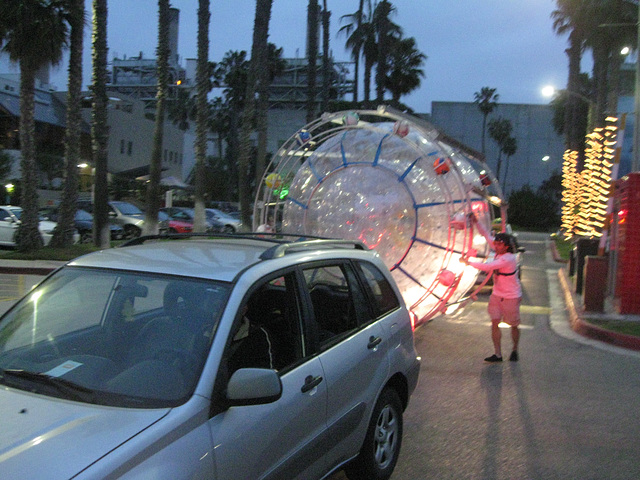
(636, 116)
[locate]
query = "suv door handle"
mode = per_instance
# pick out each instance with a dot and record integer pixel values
(310, 383)
(374, 342)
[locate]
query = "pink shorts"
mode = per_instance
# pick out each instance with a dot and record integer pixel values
(505, 309)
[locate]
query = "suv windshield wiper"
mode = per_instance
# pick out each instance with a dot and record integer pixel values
(68, 389)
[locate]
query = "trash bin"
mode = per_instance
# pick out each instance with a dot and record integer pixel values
(596, 270)
(584, 247)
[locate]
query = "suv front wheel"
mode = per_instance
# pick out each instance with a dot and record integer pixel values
(381, 447)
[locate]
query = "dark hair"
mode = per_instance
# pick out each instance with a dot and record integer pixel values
(507, 240)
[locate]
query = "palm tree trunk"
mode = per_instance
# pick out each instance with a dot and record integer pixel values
(259, 51)
(63, 235)
(312, 57)
(153, 189)
(326, 65)
(356, 55)
(574, 138)
(202, 86)
(99, 125)
(28, 236)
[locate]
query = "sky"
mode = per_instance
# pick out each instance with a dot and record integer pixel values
(504, 44)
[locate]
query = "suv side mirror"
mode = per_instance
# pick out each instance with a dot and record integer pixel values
(254, 386)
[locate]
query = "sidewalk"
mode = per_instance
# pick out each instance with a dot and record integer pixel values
(579, 319)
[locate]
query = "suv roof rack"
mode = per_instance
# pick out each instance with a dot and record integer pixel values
(282, 249)
(284, 242)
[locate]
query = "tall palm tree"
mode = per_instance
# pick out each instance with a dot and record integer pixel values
(326, 61)
(500, 131)
(312, 57)
(99, 124)
(34, 33)
(612, 25)
(386, 31)
(487, 101)
(363, 40)
(354, 22)
(162, 72)
(202, 112)
(571, 18)
(276, 65)
(63, 235)
(509, 148)
(259, 51)
(404, 74)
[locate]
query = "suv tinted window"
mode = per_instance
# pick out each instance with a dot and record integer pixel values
(332, 300)
(383, 295)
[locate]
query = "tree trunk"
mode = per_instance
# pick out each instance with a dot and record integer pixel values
(153, 189)
(65, 229)
(99, 125)
(312, 57)
(574, 138)
(259, 52)
(202, 86)
(326, 64)
(28, 236)
(356, 54)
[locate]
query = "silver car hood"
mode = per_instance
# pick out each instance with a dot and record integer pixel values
(52, 438)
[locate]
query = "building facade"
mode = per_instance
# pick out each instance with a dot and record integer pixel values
(540, 148)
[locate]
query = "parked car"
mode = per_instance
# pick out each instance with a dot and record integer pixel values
(10, 220)
(186, 214)
(175, 226)
(230, 224)
(84, 224)
(229, 358)
(125, 214)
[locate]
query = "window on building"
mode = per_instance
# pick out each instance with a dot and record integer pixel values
(129, 148)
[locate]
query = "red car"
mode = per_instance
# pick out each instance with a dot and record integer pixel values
(178, 226)
(175, 226)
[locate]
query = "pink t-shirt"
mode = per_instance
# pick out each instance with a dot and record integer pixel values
(505, 286)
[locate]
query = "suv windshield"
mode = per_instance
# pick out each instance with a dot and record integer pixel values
(121, 339)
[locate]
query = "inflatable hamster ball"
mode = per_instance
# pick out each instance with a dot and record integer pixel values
(394, 183)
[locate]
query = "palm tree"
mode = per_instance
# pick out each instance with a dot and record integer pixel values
(99, 124)
(312, 58)
(500, 131)
(405, 61)
(259, 51)
(386, 31)
(162, 72)
(34, 33)
(487, 101)
(571, 18)
(363, 40)
(276, 65)
(326, 61)
(606, 43)
(202, 112)
(63, 235)
(510, 147)
(355, 21)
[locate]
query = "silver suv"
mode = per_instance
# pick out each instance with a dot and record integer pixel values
(227, 358)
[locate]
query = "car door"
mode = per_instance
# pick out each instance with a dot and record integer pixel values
(352, 354)
(284, 439)
(7, 228)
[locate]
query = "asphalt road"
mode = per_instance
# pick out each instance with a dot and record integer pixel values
(567, 410)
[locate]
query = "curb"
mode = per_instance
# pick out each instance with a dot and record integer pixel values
(586, 329)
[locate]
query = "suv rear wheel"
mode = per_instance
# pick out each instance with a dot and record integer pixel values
(381, 447)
